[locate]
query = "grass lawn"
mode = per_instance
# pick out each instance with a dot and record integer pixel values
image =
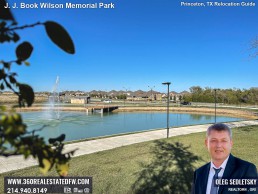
(158, 163)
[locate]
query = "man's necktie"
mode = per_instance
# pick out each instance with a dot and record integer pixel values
(214, 188)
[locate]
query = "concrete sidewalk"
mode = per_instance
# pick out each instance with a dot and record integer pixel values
(87, 147)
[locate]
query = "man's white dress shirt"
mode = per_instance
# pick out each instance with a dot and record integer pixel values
(212, 173)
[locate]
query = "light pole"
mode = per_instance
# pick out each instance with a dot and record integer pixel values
(167, 83)
(151, 91)
(215, 90)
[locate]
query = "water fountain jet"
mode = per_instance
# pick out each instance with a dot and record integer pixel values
(54, 101)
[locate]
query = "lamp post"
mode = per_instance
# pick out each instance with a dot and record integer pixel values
(215, 90)
(151, 90)
(167, 83)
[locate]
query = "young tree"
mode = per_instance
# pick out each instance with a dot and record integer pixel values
(14, 137)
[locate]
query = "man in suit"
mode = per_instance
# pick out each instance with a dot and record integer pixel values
(223, 164)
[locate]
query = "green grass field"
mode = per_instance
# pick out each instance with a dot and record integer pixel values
(163, 166)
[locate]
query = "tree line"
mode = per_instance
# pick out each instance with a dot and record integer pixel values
(226, 96)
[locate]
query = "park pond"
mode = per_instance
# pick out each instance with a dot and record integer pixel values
(81, 125)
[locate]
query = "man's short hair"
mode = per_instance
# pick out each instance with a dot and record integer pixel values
(219, 127)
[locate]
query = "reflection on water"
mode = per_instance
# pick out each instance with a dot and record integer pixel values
(80, 125)
(196, 117)
(201, 117)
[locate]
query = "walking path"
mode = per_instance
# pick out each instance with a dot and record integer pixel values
(87, 147)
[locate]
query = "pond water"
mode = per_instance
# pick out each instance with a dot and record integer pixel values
(80, 125)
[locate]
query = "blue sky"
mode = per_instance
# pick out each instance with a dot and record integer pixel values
(140, 44)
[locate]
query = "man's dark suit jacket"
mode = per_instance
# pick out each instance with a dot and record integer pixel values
(235, 168)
